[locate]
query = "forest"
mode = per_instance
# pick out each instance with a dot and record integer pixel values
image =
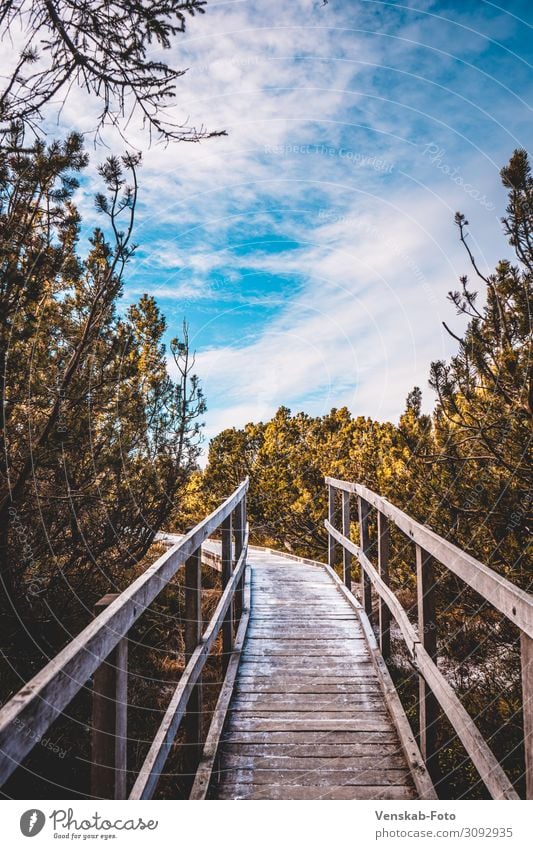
(100, 447)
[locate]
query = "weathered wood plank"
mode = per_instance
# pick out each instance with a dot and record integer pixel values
(313, 737)
(383, 569)
(276, 791)
(302, 701)
(109, 721)
(290, 763)
(312, 750)
(309, 722)
(526, 650)
(427, 631)
(322, 777)
(194, 731)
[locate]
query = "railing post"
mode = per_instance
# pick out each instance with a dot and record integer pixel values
(109, 719)
(331, 517)
(427, 631)
(227, 569)
(526, 648)
(193, 636)
(239, 545)
(383, 568)
(346, 556)
(366, 586)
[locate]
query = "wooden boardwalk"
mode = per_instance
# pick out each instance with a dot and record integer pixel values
(308, 717)
(307, 709)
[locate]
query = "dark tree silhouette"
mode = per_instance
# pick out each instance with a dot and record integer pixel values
(106, 47)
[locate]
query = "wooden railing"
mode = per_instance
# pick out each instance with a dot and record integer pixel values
(421, 642)
(100, 650)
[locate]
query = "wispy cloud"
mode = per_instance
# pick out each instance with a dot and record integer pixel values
(312, 248)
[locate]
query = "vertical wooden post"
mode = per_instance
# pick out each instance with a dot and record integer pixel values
(109, 719)
(331, 518)
(239, 545)
(193, 635)
(366, 586)
(227, 569)
(526, 646)
(383, 568)
(346, 556)
(427, 631)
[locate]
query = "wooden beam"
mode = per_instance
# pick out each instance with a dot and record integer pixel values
(346, 556)
(427, 631)
(383, 569)
(227, 569)
(366, 585)
(109, 719)
(193, 635)
(331, 518)
(239, 530)
(526, 646)
(45, 696)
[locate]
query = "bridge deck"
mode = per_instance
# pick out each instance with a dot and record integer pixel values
(307, 718)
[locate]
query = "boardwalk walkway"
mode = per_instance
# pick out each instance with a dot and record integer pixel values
(307, 708)
(308, 717)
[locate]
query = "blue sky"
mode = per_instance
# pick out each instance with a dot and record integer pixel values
(311, 249)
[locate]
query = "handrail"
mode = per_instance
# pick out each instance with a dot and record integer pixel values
(41, 700)
(506, 597)
(513, 602)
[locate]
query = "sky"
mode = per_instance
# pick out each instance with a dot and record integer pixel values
(311, 249)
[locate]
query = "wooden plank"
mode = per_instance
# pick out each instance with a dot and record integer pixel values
(205, 768)
(333, 687)
(194, 732)
(311, 750)
(323, 777)
(366, 586)
(303, 765)
(310, 722)
(346, 556)
(383, 569)
(298, 701)
(331, 517)
(526, 647)
(41, 700)
(151, 769)
(313, 737)
(427, 631)
(275, 791)
(109, 720)
(227, 569)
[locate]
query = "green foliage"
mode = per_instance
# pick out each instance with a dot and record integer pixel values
(96, 438)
